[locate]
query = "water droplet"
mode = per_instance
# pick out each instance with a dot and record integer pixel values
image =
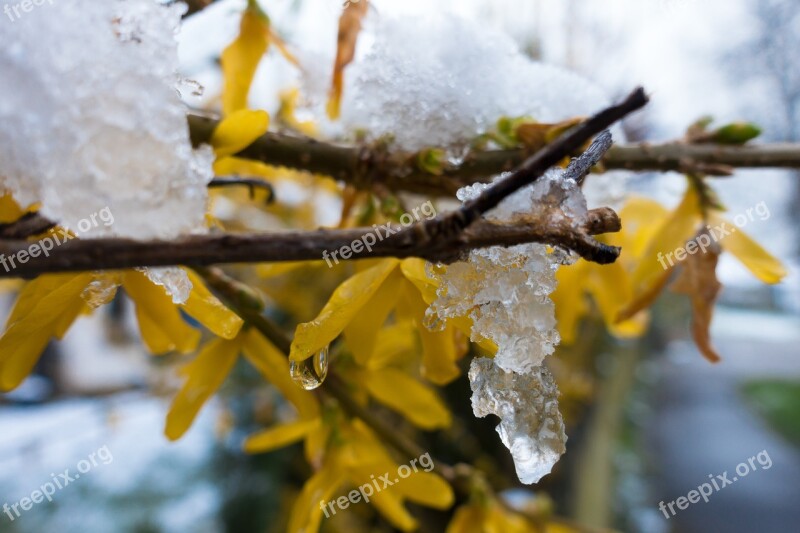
(433, 321)
(310, 373)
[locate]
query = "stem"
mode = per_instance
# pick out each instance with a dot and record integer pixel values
(205, 250)
(363, 167)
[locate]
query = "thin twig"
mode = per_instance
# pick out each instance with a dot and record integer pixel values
(580, 167)
(251, 183)
(28, 225)
(363, 167)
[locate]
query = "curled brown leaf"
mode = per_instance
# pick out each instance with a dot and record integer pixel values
(349, 28)
(698, 279)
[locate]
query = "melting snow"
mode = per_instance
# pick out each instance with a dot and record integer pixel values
(91, 118)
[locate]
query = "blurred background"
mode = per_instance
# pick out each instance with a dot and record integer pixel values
(648, 420)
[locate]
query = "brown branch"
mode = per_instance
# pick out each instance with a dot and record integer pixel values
(551, 155)
(361, 167)
(195, 5)
(251, 183)
(29, 224)
(443, 239)
(204, 250)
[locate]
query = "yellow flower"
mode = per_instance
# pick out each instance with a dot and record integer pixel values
(48, 306)
(241, 58)
(206, 373)
(358, 459)
(487, 517)
(360, 306)
(610, 286)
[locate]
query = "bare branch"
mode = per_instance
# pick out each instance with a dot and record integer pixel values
(362, 167)
(581, 166)
(205, 250)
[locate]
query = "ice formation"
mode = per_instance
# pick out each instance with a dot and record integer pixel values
(531, 425)
(506, 290)
(90, 118)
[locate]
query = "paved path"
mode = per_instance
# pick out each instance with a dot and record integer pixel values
(704, 426)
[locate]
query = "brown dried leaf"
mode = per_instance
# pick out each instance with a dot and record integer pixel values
(535, 136)
(349, 28)
(698, 279)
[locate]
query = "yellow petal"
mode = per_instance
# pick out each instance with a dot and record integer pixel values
(345, 303)
(10, 211)
(388, 501)
(44, 310)
(671, 235)
(209, 311)
(241, 58)
(306, 512)
(362, 332)
(610, 288)
(316, 445)
(414, 271)
(160, 323)
(757, 260)
(280, 436)
(641, 219)
(467, 519)
(287, 114)
(569, 300)
(428, 489)
(235, 166)
(393, 345)
(274, 366)
(404, 394)
(238, 131)
(205, 375)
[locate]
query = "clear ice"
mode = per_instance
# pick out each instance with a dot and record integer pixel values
(90, 118)
(505, 291)
(527, 404)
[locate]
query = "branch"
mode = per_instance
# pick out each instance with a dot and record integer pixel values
(363, 166)
(443, 239)
(29, 224)
(205, 250)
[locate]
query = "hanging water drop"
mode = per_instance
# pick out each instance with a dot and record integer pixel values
(310, 373)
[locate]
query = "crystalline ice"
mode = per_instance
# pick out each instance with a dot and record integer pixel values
(527, 404)
(174, 280)
(505, 290)
(90, 118)
(100, 291)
